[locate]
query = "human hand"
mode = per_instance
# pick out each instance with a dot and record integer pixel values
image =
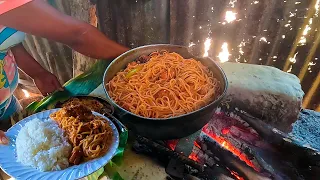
(47, 83)
(3, 138)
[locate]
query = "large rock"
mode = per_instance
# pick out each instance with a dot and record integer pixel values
(264, 91)
(307, 128)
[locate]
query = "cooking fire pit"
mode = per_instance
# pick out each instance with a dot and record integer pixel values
(229, 144)
(228, 148)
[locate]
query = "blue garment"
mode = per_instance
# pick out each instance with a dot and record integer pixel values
(9, 75)
(13, 107)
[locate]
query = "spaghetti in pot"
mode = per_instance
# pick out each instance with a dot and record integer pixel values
(163, 85)
(89, 135)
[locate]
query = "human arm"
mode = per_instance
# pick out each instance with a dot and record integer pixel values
(43, 79)
(3, 138)
(40, 19)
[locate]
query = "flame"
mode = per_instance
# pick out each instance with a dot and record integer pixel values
(26, 93)
(228, 146)
(193, 156)
(225, 131)
(236, 175)
(224, 54)
(230, 16)
(207, 45)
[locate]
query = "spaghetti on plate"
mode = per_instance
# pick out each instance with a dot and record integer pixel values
(89, 135)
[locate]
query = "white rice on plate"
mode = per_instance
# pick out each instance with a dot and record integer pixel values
(42, 145)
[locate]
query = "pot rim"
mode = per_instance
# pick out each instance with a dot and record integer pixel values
(170, 118)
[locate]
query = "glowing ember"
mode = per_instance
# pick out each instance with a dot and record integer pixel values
(207, 45)
(172, 144)
(225, 131)
(194, 157)
(224, 54)
(236, 175)
(228, 146)
(230, 16)
(26, 93)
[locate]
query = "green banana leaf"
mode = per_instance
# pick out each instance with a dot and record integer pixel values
(96, 175)
(83, 84)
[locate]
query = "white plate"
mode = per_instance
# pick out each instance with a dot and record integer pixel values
(9, 164)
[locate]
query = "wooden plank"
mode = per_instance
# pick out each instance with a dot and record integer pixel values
(85, 11)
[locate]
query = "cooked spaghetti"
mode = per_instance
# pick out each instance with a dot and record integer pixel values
(91, 103)
(89, 135)
(163, 85)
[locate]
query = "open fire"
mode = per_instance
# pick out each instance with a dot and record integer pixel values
(229, 144)
(220, 135)
(219, 132)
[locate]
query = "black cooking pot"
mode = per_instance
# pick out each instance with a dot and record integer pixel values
(169, 128)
